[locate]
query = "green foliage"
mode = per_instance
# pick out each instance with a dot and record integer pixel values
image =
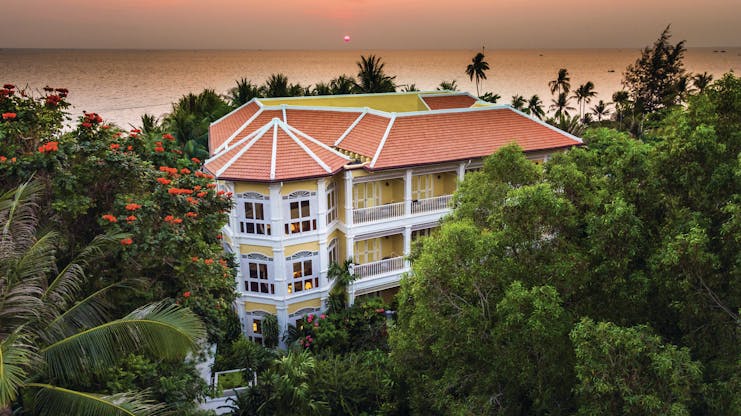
(477, 69)
(371, 76)
(630, 371)
(243, 353)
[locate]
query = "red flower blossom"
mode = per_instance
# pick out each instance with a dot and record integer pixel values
(184, 171)
(211, 185)
(127, 241)
(208, 262)
(8, 86)
(132, 207)
(9, 116)
(199, 174)
(169, 218)
(191, 200)
(3, 159)
(177, 151)
(131, 218)
(201, 194)
(186, 294)
(136, 131)
(105, 127)
(53, 100)
(194, 259)
(12, 160)
(109, 218)
(221, 193)
(130, 148)
(168, 136)
(87, 125)
(197, 188)
(159, 149)
(177, 220)
(115, 146)
(171, 171)
(219, 237)
(164, 181)
(229, 194)
(195, 160)
(191, 214)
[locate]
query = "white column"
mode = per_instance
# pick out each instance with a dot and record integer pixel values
(321, 194)
(281, 311)
(350, 248)
(407, 244)
(323, 263)
(461, 171)
(280, 273)
(348, 199)
(408, 192)
(276, 211)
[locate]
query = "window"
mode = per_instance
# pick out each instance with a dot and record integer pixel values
(253, 213)
(303, 273)
(257, 272)
(331, 203)
(302, 215)
(421, 187)
(367, 251)
(366, 194)
(334, 251)
(253, 326)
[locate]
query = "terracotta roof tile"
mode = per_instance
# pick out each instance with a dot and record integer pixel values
(435, 138)
(448, 101)
(222, 129)
(366, 136)
(325, 126)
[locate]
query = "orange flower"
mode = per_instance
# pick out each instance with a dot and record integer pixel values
(114, 146)
(177, 220)
(186, 294)
(127, 241)
(164, 181)
(159, 149)
(197, 188)
(9, 116)
(3, 159)
(208, 261)
(130, 148)
(169, 218)
(221, 193)
(191, 200)
(184, 171)
(211, 185)
(109, 218)
(194, 259)
(195, 160)
(191, 214)
(131, 218)
(168, 136)
(201, 194)
(132, 207)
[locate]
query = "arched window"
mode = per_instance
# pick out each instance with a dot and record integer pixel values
(257, 273)
(253, 213)
(301, 212)
(303, 271)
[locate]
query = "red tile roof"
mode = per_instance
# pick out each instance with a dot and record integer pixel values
(439, 137)
(442, 102)
(223, 128)
(366, 136)
(324, 125)
(295, 156)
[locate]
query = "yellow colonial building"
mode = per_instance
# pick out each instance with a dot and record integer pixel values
(321, 179)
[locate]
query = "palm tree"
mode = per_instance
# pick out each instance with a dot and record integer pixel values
(561, 105)
(622, 103)
(343, 84)
(371, 77)
(477, 69)
(54, 335)
(288, 387)
(562, 83)
(490, 97)
(535, 107)
(600, 110)
(518, 102)
(409, 88)
(448, 86)
(342, 276)
(584, 95)
(276, 86)
(321, 88)
(243, 92)
(701, 81)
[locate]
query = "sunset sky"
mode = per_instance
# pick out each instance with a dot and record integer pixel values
(372, 24)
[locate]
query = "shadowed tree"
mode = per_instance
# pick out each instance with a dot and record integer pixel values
(535, 107)
(343, 84)
(448, 86)
(54, 334)
(518, 102)
(243, 92)
(561, 105)
(477, 69)
(320, 88)
(371, 78)
(622, 104)
(276, 86)
(584, 95)
(701, 81)
(562, 83)
(601, 110)
(490, 97)
(410, 88)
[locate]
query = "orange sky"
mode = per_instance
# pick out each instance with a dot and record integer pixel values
(372, 24)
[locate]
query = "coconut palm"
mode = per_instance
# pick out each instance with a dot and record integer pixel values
(561, 105)
(288, 389)
(341, 276)
(54, 335)
(276, 86)
(622, 103)
(518, 102)
(490, 97)
(448, 86)
(343, 84)
(562, 83)
(371, 77)
(601, 110)
(477, 69)
(535, 107)
(701, 81)
(321, 88)
(584, 95)
(243, 92)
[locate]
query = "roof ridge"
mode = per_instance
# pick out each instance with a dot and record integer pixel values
(274, 149)
(383, 140)
(242, 150)
(239, 130)
(315, 141)
(352, 126)
(308, 151)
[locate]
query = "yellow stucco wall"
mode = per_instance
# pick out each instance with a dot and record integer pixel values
(392, 102)
(447, 183)
(311, 303)
(289, 187)
(262, 307)
(262, 188)
(310, 246)
(264, 250)
(392, 246)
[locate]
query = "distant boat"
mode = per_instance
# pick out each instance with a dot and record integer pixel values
(610, 70)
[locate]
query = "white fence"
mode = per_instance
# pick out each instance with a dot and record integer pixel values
(379, 267)
(378, 213)
(435, 203)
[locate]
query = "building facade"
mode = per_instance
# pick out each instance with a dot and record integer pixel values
(317, 180)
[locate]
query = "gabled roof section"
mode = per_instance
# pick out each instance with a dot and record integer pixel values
(275, 152)
(365, 138)
(441, 136)
(446, 101)
(231, 124)
(324, 125)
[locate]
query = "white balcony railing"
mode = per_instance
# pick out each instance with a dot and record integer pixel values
(378, 213)
(435, 203)
(379, 267)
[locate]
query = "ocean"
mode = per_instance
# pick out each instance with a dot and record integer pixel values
(122, 85)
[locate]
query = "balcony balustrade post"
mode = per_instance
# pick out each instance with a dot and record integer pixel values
(408, 192)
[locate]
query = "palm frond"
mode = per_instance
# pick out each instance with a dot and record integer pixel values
(164, 330)
(18, 216)
(15, 354)
(20, 302)
(52, 400)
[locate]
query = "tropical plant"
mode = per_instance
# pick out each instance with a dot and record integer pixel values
(243, 92)
(622, 104)
(409, 88)
(288, 387)
(702, 81)
(270, 331)
(448, 86)
(561, 105)
(54, 333)
(321, 88)
(601, 110)
(341, 277)
(150, 124)
(569, 124)
(276, 86)
(490, 97)
(371, 77)
(343, 84)
(518, 102)
(584, 95)
(562, 83)
(477, 69)
(535, 107)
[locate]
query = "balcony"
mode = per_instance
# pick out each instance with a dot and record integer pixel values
(436, 203)
(379, 267)
(378, 213)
